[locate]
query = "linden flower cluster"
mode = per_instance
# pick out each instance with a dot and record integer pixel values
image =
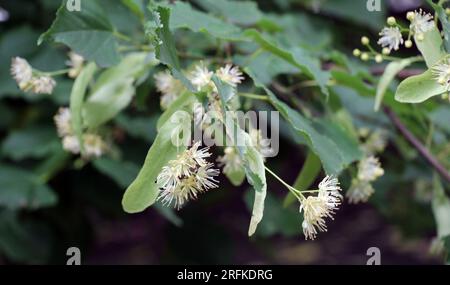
(391, 37)
(76, 63)
(187, 176)
(169, 87)
(94, 146)
(369, 169)
(441, 73)
(200, 77)
(317, 208)
(29, 80)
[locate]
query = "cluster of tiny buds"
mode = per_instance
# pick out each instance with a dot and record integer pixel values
(391, 36)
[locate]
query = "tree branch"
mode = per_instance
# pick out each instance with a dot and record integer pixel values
(417, 144)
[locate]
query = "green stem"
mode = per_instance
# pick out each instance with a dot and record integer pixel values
(294, 191)
(254, 96)
(54, 73)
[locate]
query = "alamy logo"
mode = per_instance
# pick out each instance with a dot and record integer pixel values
(375, 256)
(373, 5)
(74, 254)
(73, 5)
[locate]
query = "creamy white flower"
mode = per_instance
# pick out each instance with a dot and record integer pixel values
(21, 71)
(71, 144)
(230, 161)
(75, 63)
(441, 73)
(167, 99)
(170, 88)
(314, 211)
(391, 38)
(63, 122)
(201, 77)
(316, 208)
(376, 142)
(329, 190)
(185, 177)
(422, 22)
(369, 169)
(94, 146)
(43, 85)
(359, 192)
(205, 176)
(230, 74)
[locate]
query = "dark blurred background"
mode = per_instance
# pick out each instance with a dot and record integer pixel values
(81, 206)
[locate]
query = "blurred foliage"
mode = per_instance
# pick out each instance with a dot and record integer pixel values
(51, 200)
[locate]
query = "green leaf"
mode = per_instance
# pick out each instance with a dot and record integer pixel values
(31, 142)
(441, 209)
(419, 88)
(139, 127)
(88, 32)
(21, 241)
(431, 46)
(136, 6)
(392, 69)
(184, 16)
(266, 66)
(22, 189)
(440, 117)
(309, 172)
(238, 12)
(353, 11)
(297, 57)
(332, 144)
(77, 98)
(122, 172)
(166, 51)
(143, 192)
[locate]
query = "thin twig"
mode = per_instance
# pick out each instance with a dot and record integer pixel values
(402, 74)
(417, 144)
